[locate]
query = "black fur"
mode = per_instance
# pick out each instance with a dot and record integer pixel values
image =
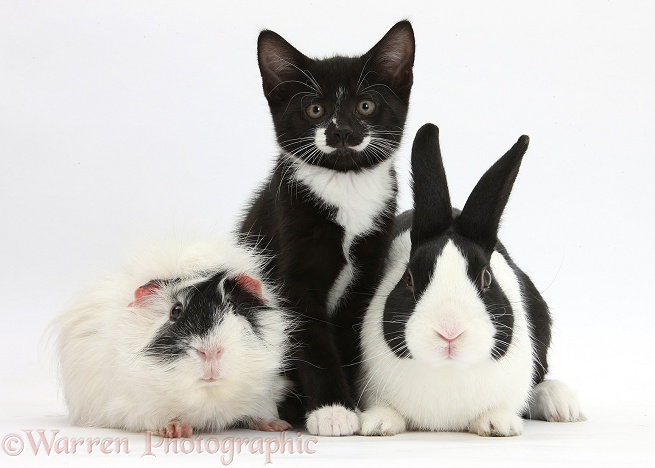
(474, 231)
(299, 231)
(204, 305)
(292, 81)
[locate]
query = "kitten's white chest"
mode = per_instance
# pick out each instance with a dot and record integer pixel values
(358, 198)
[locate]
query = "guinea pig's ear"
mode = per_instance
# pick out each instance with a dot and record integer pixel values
(251, 285)
(144, 291)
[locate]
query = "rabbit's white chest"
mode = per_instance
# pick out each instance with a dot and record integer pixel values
(449, 399)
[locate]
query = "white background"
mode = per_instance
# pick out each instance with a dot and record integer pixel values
(124, 121)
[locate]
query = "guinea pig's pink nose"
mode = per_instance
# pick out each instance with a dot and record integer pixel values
(210, 354)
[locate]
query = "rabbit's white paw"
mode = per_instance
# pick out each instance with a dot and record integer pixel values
(554, 401)
(381, 421)
(497, 422)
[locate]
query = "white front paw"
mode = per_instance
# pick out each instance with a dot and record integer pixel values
(335, 420)
(381, 421)
(497, 422)
(553, 401)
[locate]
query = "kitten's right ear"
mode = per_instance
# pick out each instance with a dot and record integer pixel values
(278, 60)
(393, 56)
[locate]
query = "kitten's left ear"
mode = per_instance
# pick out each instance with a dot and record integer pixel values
(393, 56)
(278, 60)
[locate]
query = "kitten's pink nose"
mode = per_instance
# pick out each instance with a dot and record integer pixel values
(209, 354)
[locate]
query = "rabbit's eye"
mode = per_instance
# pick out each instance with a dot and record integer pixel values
(485, 279)
(409, 280)
(176, 312)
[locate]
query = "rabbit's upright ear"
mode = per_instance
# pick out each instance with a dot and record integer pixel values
(432, 208)
(481, 214)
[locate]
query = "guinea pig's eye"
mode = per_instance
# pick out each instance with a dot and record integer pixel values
(315, 111)
(365, 107)
(485, 279)
(176, 312)
(409, 280)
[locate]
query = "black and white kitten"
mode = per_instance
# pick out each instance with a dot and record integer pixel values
(326, 214)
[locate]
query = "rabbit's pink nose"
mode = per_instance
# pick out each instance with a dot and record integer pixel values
(209, 354)
(450, 336)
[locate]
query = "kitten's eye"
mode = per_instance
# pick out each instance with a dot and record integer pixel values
(366, 107)
(485, 279)
(409, 280)
(176, 312)
(315, 111)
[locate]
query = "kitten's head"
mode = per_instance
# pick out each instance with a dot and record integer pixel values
(342, 113)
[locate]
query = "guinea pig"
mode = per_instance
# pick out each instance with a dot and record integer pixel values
(188, 336)
(456, 337)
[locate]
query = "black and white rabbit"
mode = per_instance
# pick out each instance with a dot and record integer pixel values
(187, 337)
(456, 336)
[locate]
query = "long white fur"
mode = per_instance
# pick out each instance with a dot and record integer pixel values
(108, 383)
(429, 392)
